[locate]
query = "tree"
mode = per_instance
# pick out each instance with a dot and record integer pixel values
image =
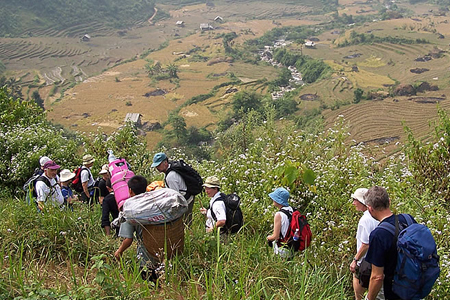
(246, 101)
(173, 70)
(357, 95)
(38, 100)
(14, 89)
(179, 131)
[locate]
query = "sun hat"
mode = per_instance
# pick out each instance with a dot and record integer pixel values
(212, 182)
(43, 160)
(104, 170)
(280, 196)
(88, 159)
(51, 165)
(66, 175)
(158, 159)
(359, 195)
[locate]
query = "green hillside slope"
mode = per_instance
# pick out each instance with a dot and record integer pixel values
(25, 17)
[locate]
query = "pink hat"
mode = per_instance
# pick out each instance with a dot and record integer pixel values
(51, 165)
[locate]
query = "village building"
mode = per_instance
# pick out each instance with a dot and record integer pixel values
(134, 118)
(180, 23)
(310, 44)
(206, 26)
(218, 19)
(86, 38)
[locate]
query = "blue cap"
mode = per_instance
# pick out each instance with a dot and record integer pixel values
(158, 159)
(280, 196)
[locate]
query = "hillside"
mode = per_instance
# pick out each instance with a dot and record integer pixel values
(367, 48)
(65, 254)
(29, 18)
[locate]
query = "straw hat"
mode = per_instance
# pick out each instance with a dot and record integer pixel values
(212, 182)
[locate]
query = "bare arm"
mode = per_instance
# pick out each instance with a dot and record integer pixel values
(124, 246)
(85, 188)
(362, 251)
(376, 282)
(220, 223)
(276, 228)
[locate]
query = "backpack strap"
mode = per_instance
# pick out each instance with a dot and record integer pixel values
(187, 195)
(90, 175)
(220, 198)
(289, 215)
(47, 183)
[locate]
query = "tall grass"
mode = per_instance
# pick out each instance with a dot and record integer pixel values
(62, 254)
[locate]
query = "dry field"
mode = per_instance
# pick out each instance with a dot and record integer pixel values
(101, 99)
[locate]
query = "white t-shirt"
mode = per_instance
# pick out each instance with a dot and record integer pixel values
(87, 176)
(284, 220)
(365, 226)
(52, 193)
(174, 181)
(218, 209)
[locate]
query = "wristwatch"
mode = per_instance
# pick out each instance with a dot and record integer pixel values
(354, 258)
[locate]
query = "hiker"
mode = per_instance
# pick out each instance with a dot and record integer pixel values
(103, 190)
(69, 198)
(30, 185)
(281, 222)
(174, 181)
(109, 207)
(382, 252)
(87, 180)
(359, 267)
(216, 216)
(137, 185)
(42, 162)
(47, 187)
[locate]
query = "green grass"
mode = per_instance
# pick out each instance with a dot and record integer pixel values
(62, 254)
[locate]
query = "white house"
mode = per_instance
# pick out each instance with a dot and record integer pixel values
(310, 44)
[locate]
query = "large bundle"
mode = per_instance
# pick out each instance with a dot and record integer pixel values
(155, 207)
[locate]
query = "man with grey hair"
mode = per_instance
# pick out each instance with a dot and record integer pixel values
(359, 267)
(382, 253)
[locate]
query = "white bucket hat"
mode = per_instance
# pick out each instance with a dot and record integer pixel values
(359, 195)
(66, 175)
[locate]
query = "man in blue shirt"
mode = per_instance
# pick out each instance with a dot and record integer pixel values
(382, 253)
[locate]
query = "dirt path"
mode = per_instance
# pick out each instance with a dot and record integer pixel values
(154, 15)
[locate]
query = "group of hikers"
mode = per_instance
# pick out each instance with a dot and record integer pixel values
(375, 265)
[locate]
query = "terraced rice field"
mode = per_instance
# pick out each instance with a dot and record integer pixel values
(372, 120)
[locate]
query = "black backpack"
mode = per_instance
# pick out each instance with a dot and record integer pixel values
(193, 180)
(235, 218)
(30, 186)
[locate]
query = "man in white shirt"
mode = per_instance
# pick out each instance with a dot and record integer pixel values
(216, 216)
(365, 226)
(47, 187)
(87, 180)
(174, 181)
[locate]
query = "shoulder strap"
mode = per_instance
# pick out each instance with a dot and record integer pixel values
(408, 219)
(44, 180)
(394, 230)
(47, 183)
(220, 198)
(287, 213)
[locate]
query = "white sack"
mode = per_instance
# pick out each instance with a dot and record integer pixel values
(155, 207)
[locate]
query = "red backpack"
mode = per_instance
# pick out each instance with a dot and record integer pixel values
(76, 182)
(297, 221)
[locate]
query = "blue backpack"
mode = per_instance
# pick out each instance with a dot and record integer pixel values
(417, 260)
